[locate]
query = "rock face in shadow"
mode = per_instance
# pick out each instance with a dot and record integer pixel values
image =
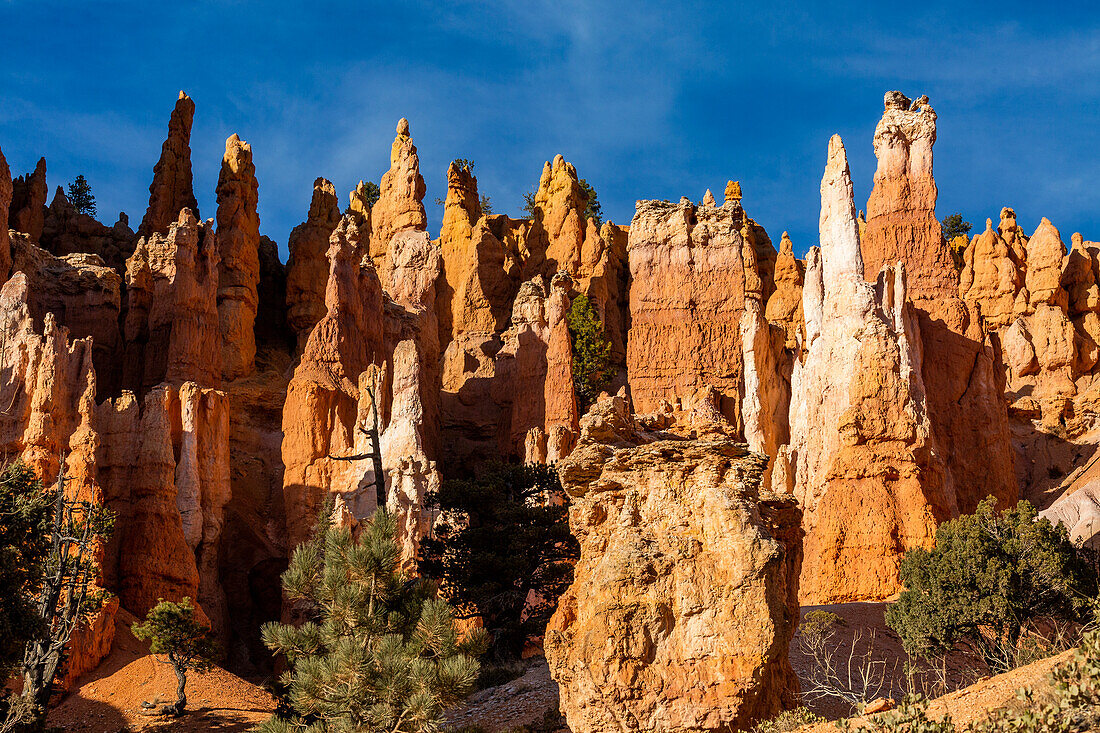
(66, 231)
(307, 266)
(28, 202)
(5, 203)
(684, 600)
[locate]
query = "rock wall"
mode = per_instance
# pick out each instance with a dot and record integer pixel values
(687, 297)
(684, 600)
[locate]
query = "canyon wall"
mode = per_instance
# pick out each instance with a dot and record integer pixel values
(216, 398)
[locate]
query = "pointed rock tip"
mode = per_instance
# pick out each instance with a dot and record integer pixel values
(988, 224)
(403, 126)
(558, 160)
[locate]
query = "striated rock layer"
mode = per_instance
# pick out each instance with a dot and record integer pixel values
(684, 600)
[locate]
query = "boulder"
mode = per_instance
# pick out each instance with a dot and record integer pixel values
(684, 599)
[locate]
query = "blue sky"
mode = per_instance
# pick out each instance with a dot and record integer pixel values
(647, 99)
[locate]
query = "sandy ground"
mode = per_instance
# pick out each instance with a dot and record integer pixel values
(108, 700)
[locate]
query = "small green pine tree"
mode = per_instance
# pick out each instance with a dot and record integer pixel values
(486, 205)
(529, 207)
(954, 226)
(592, 208)
(373, 192)
(378, 651)
(592, 370)
(174, 632)
(81, 197)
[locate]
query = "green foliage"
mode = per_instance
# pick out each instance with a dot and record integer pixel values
(372, 192)
(377, 650)
(81, 197)
(529, 207)
(592, 370)
(503, 536)
(788, 720)
(954, 226)
(989, 578)
(466, 163)
(486, 205)
(64, 596)
(592, 209)
(26, 513)
(173, 630)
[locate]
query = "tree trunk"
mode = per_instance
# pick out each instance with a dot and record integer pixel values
(181, 695)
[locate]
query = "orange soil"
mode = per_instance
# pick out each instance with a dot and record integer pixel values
(109, 699)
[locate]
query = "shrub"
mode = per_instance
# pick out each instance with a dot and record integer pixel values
(378, 651)
(787, 721)
(502, 550)
(989, 579)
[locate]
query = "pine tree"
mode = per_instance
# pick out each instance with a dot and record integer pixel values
(26, 512)
(174, 632)
(81, 197)
(502, 539)
(592, 370)
(65, 596)
(378, 651)
(592, 208)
